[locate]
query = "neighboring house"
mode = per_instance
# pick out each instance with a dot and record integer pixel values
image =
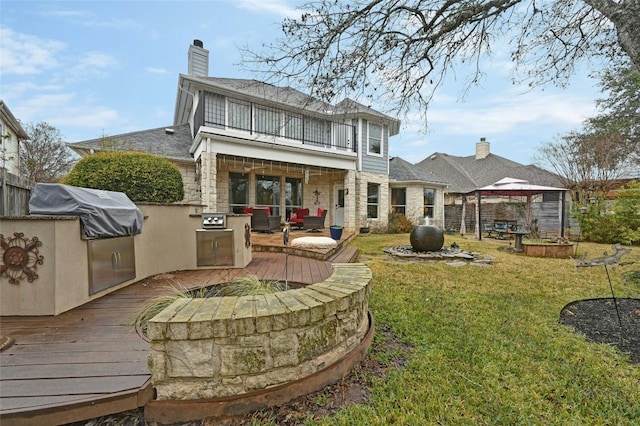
(15, 190)
(466, 174)
(415, 193)
(242, 143)
(12, 132)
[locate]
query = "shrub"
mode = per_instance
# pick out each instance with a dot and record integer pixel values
(143, 177)
(399, 224)
(618, 223)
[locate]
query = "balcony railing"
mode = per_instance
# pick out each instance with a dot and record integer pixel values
(228, 113)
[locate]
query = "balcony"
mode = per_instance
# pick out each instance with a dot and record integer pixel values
(226, 113)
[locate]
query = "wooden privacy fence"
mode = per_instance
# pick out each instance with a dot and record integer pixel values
(14, 194)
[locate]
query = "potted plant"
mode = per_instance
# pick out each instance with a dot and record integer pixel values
(336, 232)
(364, 229)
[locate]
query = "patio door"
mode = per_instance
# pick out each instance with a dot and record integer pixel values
(338, 209)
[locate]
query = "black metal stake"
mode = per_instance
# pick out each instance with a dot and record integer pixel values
(285, 237)
(615, 302)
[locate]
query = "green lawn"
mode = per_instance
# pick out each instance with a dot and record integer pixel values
(485, 344)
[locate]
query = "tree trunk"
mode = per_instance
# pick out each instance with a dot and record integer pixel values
(625, 16)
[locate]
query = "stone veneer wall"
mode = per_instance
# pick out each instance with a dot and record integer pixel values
(190, 182)
(217, 347)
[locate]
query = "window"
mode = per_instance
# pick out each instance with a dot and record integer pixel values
(239, 114)
(373, 196)
(375, 139)
(313, 130)
(293, 126)
(399, 200)
(267, 120)
(429, 201)
(214, 110)
(238, 192)
(292, 194)
(268, 193)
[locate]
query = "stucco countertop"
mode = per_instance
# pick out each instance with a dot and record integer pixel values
(227, 214)
(40, 217)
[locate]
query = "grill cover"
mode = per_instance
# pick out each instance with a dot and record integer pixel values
(103, 214)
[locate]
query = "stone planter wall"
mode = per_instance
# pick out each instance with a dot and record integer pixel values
(554, 250)
(226, 346)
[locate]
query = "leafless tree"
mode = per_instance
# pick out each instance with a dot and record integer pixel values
(403, 49)
(44, 157)
(586, 162)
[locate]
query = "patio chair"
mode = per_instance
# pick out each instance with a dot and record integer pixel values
(487, 228)
(262, 221)
(500, 228)
(313, 223)
(297, 217)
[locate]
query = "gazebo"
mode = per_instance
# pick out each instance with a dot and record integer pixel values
(516, 187)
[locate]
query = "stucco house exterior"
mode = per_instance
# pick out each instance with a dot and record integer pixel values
(241, 143)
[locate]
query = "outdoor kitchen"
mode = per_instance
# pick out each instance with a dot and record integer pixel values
(78, 244)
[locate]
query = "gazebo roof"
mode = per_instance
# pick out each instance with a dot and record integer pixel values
(514, 187)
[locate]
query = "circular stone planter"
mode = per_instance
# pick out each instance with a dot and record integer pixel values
(553, 250)
(224, 356)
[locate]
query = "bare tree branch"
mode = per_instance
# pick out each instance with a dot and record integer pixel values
(398, 52)
(44, 156)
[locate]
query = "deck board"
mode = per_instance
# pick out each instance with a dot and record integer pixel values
(89, 362)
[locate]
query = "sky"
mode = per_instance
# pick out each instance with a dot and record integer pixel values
(101, 68)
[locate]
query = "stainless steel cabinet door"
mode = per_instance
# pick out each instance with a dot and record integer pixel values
(111, 262)
(214, 247)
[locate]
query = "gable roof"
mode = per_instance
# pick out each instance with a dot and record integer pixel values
(349, 106)
(172, 142)
(11, 122)
(465, 174)
(403, 171)
(266, 94)
(265, 91)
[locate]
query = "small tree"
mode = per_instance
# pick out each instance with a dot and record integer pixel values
(44, 157)
(143, 177)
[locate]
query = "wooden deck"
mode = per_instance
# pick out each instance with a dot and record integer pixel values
(88, 362)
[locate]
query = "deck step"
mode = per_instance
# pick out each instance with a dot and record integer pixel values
(346, 255)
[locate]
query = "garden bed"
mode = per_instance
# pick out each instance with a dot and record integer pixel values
(548, 249)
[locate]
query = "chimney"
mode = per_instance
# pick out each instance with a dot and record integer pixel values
(482, 149)
(198, 60)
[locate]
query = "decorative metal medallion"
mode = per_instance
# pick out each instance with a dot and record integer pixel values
(19, 257)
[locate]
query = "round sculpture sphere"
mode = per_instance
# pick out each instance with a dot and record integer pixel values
(426, 238)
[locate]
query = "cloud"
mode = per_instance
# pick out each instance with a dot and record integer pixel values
(24, 54)
(278, 7)
(89, 19)
(507, 111)
(65, 109)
